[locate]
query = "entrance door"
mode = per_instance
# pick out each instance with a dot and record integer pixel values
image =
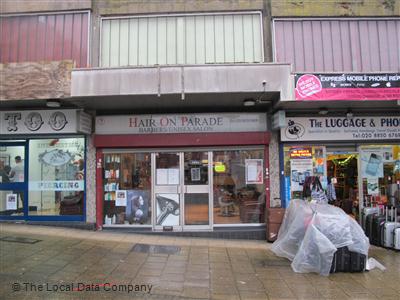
(182, 190)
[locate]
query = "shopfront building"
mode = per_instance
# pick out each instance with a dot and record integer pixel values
(43, 165)
(358, 155)
(182, 172)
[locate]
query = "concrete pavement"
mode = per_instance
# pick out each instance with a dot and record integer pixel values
(79, 264)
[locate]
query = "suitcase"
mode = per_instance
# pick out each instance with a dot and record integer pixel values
(274, 221)
(376, 234)
(358, 262)
(396, 241)
(368, 225)
(388, 230)
(366, 211)
(347, 261)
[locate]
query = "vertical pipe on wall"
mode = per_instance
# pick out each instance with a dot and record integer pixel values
(99, 189)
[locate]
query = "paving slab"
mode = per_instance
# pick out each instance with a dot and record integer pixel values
(77, 264)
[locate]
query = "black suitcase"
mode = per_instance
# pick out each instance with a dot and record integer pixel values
(377, 227)
(368, 225)
(347, 261)
(341, 260)
(358, 262)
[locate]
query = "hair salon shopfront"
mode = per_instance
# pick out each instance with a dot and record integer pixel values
(183, 173)
(360, 154)
(43, 165)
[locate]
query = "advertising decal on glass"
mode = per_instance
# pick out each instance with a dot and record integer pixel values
(167, 209)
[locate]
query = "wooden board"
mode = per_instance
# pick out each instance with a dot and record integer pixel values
(42, 80)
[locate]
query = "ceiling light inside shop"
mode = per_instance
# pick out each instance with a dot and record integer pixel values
(53, 103)
(323, 111)
(349, 114)
(249, 102)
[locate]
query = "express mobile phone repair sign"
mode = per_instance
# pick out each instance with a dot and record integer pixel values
(355, 86)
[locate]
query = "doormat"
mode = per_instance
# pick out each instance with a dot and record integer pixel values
(159, 249)
(16, 239)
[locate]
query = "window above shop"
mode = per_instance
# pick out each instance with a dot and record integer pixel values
(45, 37)
(181, 39)
(338, 45)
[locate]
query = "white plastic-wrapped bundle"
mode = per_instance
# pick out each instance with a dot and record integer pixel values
(315, 253)
(311, 233)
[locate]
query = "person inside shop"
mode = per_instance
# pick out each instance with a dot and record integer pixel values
(330, 191)
(17, 172)
(4, 173)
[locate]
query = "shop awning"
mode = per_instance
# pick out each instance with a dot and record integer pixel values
(191, 87)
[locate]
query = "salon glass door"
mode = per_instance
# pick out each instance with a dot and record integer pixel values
(181, 192)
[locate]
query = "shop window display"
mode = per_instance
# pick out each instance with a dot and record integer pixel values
(12, 169)
(127, 188)
(380, 173)
(56, 176)
(238, 186)
(301, 162)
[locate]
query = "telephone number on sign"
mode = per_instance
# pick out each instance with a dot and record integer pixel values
(376, 135)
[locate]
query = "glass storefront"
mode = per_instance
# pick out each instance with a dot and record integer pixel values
(238, 186)
(12, 180)
(183, 190)
(127, 188)
(364, 175)
(56, 176)
(48, 182)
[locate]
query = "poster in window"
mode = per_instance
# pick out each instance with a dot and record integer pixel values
(167, 209)
(11, 201)
(300, 170)
(371, 162)
(120, 199)
(373, 186)
(195, 174)
(254, 171)
(137, 209)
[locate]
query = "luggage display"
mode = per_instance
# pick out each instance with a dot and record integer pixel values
(348, 261)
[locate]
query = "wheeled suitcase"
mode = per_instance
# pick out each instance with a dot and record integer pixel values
(388, 229)
(376, 234)
(368, 225)
(397, 239)
(367, 211)
(378, 220)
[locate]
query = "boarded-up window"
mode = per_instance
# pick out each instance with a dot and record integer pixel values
(338, 45)
(45, 37)
(186, 39)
